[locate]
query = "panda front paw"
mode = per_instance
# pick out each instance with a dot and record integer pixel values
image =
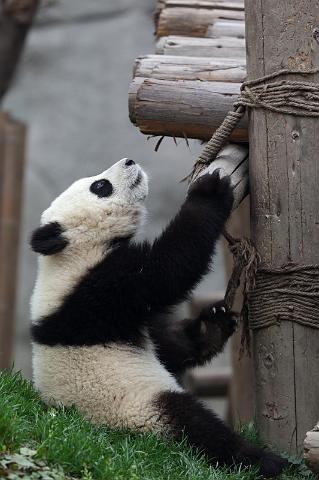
(216, 315)
(216, 326)
(212, 186)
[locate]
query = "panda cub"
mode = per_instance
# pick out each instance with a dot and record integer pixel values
(100, 337)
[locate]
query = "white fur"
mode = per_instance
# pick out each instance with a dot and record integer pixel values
(89, 223)
(112, 385)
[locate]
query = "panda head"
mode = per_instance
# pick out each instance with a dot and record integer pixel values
(94, 211)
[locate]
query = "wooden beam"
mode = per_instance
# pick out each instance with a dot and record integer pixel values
(192, 109)
(193, 22)
(311, 449)
(226, 28)
(12, 142)
(284, 216)
(169, 67)
(160, 4)
(209, 4)
(226, 47)
(16, 17)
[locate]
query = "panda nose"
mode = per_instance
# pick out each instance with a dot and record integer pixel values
(129, 162)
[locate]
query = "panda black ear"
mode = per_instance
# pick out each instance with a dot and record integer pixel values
(48, 239)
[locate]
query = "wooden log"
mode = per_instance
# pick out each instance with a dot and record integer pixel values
(12, 141)
(15, 18)
(311, 449)
(191, 109)
(209, 4)
(195, 4)
(232, 161)
(227, 47)
(284, 217)
(192, 22)
(226, 28)
(169, 67)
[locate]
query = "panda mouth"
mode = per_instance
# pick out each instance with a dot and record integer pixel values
(137, 181)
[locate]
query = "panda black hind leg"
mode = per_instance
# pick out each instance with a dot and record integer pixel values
(184, 416)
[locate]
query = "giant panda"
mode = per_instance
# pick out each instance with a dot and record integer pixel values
(101, 338)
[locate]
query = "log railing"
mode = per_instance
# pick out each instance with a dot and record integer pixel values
(189, 86)
(12, 140)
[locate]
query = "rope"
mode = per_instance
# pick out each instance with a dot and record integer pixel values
(291, 292)
(290, 97)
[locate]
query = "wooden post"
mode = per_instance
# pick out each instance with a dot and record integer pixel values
(16, 18)
(284, 216)
(12, 138)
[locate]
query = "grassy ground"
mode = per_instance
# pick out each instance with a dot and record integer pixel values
(41, 443)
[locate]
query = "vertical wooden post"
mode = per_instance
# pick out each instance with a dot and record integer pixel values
(12, 139)
(284, 153)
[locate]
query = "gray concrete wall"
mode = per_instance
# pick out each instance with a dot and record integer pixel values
(71, 90)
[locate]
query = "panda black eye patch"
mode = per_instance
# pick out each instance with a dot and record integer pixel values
(102, 188)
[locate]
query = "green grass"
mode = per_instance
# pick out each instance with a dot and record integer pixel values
(63, 439)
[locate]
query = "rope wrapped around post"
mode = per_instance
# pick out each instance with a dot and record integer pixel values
(288, 286)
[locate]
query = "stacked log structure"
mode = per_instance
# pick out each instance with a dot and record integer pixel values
(186, 89)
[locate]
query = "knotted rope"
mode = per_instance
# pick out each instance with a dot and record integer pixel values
(289, 97)
(294, 289)
(291, 292)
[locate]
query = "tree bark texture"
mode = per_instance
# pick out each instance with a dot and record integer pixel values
(284, 216)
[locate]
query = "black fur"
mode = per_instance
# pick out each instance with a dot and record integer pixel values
(102, 188)
(135, 283)
(186, 416)
(192, 342)
(133, 286)
(48, 239)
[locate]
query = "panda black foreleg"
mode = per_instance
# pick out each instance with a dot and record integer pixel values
(191, 342)
(185, 416)
(180, 257)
